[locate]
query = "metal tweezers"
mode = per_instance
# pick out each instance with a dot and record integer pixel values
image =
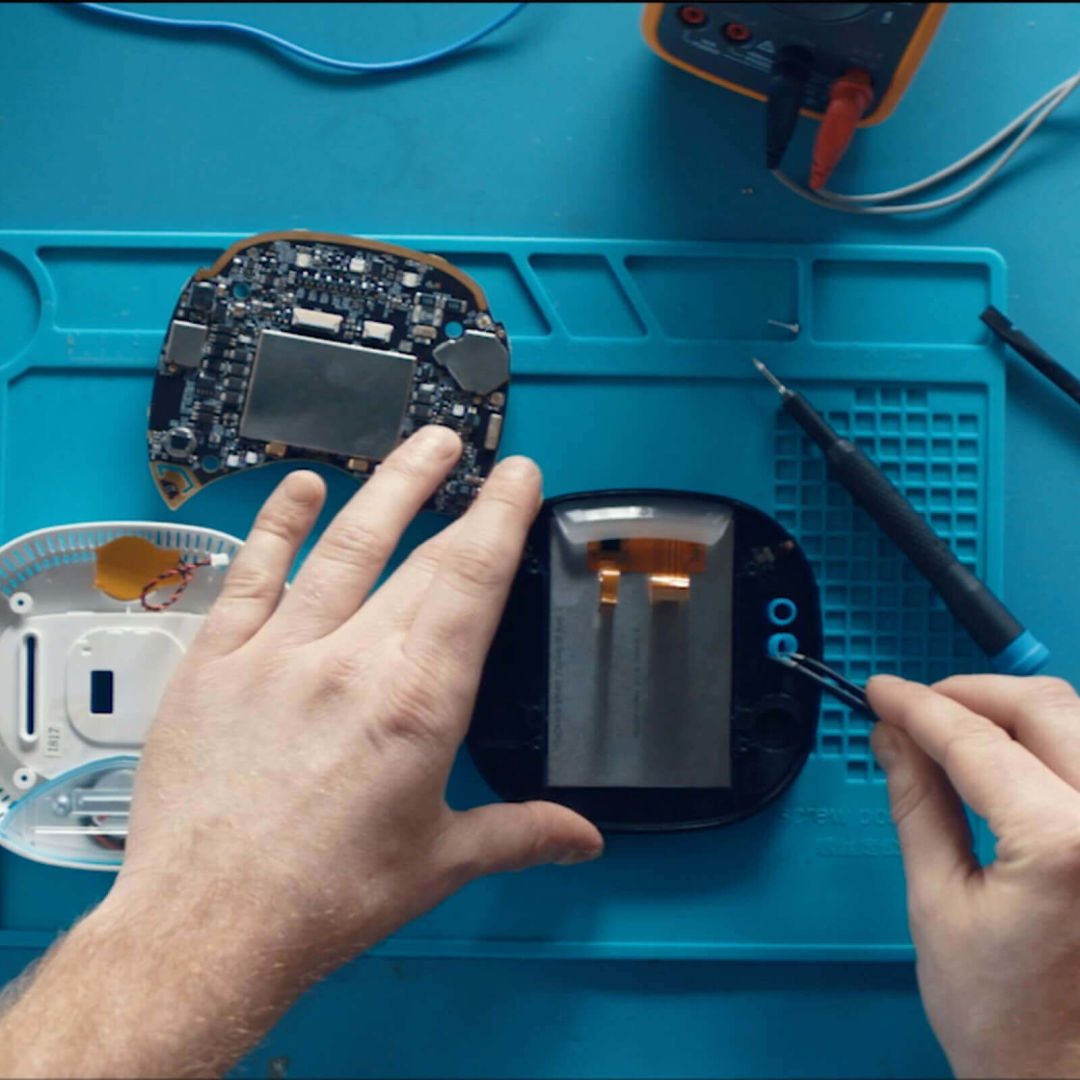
(845, 691)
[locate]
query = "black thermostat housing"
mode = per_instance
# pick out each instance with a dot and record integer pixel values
(651, 713)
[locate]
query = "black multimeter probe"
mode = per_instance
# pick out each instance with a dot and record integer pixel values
(1011, 649)
(1037, 357)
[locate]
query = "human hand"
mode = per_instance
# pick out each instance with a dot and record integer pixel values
(298, 763)
(289, 808)
(998, 947)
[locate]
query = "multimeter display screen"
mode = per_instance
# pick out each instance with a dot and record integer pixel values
(640, 644)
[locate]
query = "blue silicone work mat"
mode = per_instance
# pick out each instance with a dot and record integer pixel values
(631, 367)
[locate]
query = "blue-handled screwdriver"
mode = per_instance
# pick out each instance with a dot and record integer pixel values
(1011, 649)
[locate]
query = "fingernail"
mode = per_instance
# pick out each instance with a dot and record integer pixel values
(572, 858)
(885, 677)
(437, 439)
(884, 743)
(519, 469)
(302, 486)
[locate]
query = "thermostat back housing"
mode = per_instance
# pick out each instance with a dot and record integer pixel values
(631, 677)
(84, 663)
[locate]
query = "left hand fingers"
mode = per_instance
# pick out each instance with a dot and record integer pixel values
(1042, 714)
(394, 605)
(252, 587)
(514, 836)
(452, 631)
(351, 554)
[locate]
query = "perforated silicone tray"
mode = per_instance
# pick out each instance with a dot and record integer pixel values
(631, 368)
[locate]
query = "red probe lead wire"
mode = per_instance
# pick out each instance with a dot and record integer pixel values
(849, 97)
(183, 572)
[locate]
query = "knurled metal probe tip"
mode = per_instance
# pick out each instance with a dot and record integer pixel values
(769, 375)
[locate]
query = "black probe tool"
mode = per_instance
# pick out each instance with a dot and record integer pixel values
(1011, 649)
(832, 682)
(1038, 358)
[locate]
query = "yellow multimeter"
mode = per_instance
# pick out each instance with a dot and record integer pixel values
(734, 45)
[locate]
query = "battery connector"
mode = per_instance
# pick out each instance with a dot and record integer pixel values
(849, 98)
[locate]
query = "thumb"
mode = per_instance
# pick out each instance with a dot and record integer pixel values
(935, 839)
(514, 836)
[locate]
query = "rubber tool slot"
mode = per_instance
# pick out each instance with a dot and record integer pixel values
(28, 730)
(101, 691)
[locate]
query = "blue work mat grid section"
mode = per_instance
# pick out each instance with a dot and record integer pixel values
(879, 613)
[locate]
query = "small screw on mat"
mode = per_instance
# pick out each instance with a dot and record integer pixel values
(792, 327)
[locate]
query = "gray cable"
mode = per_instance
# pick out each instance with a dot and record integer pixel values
(1039, 111)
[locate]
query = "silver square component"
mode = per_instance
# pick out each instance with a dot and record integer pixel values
(328, 396)
(186, 340)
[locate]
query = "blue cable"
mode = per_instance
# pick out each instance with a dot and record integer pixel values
(292, 49)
